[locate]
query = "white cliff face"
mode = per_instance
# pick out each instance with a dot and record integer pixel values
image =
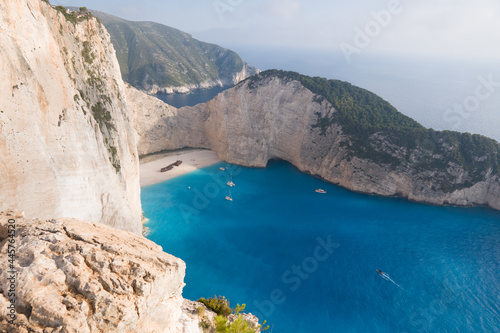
(232, 80)
(251, 124)
(236, 78)
(160, 126)
(67, 148)
(251, 127)
(76, 276)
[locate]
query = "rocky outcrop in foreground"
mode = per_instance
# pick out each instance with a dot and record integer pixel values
(274, 116)
(75, 276)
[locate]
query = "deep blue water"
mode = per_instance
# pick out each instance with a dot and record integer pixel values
(307, 262)
(191, 99)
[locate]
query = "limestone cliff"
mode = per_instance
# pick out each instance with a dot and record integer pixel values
(273, 116)
(67, 148)
(229, 79)
(75, 276)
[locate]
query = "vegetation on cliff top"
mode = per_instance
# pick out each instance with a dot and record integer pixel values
(74, 16)
(220, 305)
(362, 114)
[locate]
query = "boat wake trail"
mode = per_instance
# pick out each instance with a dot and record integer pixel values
(388, 278)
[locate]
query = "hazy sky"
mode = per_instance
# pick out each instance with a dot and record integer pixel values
(428, 28)
(310, 37)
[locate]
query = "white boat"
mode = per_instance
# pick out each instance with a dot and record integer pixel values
(230, 182)
(319, 190)
(222, 169)
(229, 197)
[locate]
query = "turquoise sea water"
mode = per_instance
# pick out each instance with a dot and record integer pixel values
(306, 262)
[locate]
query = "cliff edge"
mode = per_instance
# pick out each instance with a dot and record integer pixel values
(67, 147)
(76, 276)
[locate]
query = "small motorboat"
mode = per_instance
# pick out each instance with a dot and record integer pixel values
(229, 197)
(380, 272)
(319, 190)
(222, 169)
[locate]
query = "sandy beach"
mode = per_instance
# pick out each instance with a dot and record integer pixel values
(192, 159)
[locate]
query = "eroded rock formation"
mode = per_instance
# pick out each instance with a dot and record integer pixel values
(278, 118)
(75, 276)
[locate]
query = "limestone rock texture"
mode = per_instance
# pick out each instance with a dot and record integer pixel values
(228, 80)
(278, 119)
(76, 276)
(67, 147)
